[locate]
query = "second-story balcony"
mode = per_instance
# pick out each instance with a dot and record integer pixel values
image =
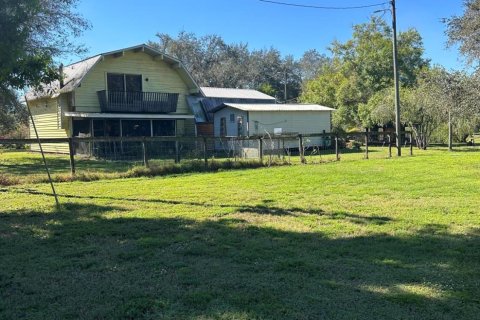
(137, 102)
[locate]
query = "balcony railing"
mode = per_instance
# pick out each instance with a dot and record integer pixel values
(137, 102)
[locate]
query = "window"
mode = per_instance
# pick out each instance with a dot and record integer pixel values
(232, 117)
(163, 128)
(124, 82)
(223, 127)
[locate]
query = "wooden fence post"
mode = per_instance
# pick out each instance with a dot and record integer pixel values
(177, 152)
(260, 149)
(337, 156)
(71, 151)
(366, 145)
(411, 144)
(389, 146)
(205, 157)
(144, 152)
(301, 149)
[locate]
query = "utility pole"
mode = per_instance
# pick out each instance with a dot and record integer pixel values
(285, 86)
(395, 78)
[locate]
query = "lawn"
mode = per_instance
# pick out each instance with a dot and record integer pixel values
(379, 239)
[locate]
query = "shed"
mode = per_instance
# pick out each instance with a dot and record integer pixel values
(239, 119)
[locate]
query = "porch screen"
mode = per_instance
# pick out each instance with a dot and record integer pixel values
(163, 128)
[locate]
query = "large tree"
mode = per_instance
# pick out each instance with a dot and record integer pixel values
(465, 31)
(32, 34)
(363, 66)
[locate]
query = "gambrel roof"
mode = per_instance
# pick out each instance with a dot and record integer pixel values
(74, 73)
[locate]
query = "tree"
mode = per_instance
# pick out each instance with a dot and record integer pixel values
(456, 98)
(311, 64)
(33, 33)
(463, 30)
(13, 113)
(212, 62)
(365, 66)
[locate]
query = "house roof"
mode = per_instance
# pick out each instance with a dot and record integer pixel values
(274, 107)
(74, 73)
(233, 93)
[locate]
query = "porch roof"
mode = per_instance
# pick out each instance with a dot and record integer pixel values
(100, 115)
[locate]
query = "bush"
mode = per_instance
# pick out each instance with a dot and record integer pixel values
(8, 180)
(353, 145)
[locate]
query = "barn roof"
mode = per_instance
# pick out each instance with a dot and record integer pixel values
(274, 107)
(233, 93)
(74, 73)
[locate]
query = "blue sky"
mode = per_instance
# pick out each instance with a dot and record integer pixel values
(117, 23)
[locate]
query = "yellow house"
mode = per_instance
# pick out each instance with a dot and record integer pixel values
(136, 91)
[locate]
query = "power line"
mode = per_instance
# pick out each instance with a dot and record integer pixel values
(323, 7)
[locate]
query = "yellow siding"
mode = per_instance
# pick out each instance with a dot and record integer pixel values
(161, 78)
(47, 119)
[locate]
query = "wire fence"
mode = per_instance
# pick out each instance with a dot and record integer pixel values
(20, 160)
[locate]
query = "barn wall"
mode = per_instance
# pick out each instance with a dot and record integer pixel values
(291, 122)
(161, 78)
(48, 120)
(232, 128)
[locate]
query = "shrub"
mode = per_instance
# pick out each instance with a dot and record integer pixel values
(354, 145)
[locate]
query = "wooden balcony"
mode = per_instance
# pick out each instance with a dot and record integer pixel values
(137, 102)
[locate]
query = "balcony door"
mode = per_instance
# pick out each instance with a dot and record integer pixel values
(124, 88)
(124, 82)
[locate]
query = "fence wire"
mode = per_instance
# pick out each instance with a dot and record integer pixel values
(20, 162)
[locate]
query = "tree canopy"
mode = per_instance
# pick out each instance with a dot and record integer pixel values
(33, 33)
(213, 62)
(464, 30)
(362, 67)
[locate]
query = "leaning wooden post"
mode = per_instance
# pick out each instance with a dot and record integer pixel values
(301, 149)
(205, 158)
(411, 144)
(366, 145)
(337, 156)
(144, 152)
(260, 149)
(71, 151)
(389, 146)
(41, 151)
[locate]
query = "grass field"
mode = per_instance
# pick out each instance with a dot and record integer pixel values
(377, 239)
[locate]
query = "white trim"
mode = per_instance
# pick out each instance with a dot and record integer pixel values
(99, 115)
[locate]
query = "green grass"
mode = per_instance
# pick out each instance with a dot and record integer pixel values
(379, 239)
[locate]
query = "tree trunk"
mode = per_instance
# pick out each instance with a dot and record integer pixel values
(450, 132)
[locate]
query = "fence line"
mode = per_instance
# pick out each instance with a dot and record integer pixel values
(150, 150)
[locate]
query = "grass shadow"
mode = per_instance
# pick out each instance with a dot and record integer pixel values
(95, 261)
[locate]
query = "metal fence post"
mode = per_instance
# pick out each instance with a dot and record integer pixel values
(71, 151)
